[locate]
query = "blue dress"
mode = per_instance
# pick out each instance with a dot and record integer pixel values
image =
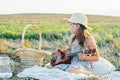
(76, 62)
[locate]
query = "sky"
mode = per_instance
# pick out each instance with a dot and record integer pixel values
(95, 7)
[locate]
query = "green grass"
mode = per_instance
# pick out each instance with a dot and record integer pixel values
(14, 29)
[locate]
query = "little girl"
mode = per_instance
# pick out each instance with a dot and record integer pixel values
(80, 63)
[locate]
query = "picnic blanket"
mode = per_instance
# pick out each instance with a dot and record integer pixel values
(44, 73)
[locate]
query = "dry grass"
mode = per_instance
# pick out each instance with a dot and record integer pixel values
(31, 56)
(116, 43)
(3, 46)
(53, 18)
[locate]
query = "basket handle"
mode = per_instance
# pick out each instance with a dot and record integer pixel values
(37, 29)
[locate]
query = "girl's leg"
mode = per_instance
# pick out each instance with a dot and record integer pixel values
(79, 70)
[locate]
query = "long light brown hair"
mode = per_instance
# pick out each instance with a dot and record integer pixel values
(81, 35)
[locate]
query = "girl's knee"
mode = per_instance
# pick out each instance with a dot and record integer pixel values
(78, 71)
(68, 70)
(71, 70)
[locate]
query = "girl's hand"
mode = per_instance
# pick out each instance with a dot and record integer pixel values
(57, 51)
(81, 56)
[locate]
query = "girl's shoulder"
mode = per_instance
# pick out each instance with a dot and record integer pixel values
(90, 40)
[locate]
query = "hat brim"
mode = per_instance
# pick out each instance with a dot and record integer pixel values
(88, 27)
(68, 20)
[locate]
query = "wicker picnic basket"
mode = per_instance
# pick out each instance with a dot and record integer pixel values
(29, 56)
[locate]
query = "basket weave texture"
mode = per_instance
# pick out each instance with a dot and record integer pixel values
(29, 56)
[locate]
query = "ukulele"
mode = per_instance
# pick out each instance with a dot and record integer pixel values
(66, 58)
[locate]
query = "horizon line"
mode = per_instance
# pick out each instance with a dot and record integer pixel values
(58, 13)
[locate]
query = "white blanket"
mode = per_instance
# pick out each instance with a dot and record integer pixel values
(43, 73)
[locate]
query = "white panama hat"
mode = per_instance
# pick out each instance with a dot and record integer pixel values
(78, 18)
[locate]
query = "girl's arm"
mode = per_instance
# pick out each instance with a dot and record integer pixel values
(92, 45)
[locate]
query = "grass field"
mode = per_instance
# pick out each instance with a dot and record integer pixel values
(55, 33)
